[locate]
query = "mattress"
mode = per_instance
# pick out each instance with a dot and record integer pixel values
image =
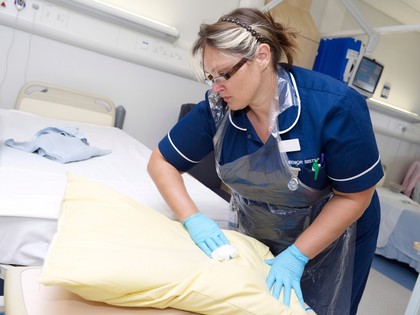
(32, 186)
(399, 228)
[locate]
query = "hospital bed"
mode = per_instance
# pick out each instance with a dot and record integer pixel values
(31, 186)
(398, 232)
(399, 228)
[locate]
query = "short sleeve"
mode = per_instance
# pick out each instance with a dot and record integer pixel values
(191, 139)
(352, 156)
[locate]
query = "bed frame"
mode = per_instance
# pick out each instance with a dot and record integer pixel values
(25, 296)
(58, 102)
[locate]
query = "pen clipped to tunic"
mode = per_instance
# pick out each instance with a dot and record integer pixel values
(317, 165)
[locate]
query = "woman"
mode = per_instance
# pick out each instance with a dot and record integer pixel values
(298, 152)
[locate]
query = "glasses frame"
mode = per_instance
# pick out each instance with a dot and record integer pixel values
(210, 80)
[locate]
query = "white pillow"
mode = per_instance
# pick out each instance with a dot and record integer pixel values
(109, 248)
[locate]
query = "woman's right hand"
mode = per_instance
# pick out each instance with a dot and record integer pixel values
(205, 233)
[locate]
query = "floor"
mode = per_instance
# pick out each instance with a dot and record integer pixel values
(383, 296)
(396, 271)
(388, 289)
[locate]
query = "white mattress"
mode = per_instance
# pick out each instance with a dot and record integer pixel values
(31, 186)
(392, 206)
(399, 228)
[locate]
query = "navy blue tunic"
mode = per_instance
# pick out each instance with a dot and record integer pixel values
(332, 124)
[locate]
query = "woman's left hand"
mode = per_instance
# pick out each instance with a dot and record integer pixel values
(286, 271)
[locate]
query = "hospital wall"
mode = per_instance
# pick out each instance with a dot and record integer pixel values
(398, 51)
(108, 60)
(398, 135)
(151, 97)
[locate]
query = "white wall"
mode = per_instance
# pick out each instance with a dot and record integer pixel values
(113, 65)
(399, 145)
(398, 140)
(185, 15)
(152, 98)
(398, 52)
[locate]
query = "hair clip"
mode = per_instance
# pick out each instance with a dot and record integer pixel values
(243, 25)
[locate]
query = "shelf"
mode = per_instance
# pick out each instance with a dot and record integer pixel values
(393, 111)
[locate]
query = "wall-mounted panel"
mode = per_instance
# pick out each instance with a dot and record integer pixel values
(78, 25)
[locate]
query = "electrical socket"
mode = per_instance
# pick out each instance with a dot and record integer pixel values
(54, 16)
(20, 4)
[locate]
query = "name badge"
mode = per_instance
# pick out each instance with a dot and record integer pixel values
(291, 145)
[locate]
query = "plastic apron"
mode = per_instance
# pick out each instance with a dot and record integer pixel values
(272, 205)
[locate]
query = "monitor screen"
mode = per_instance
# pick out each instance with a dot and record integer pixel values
(367, 76)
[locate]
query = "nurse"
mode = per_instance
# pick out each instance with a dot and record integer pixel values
(298, 152)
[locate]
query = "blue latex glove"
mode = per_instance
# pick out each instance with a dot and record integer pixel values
(286, 270)
(205, 233)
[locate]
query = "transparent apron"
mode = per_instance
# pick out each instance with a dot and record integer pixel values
(271, 204)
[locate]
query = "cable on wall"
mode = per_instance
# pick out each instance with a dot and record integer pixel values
(35, 7)
(6, 67)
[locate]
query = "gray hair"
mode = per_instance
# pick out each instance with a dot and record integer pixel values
(240, 32)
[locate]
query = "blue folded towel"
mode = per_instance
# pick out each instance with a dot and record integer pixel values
(63, 145)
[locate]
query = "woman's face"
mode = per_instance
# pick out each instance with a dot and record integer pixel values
(241, 89)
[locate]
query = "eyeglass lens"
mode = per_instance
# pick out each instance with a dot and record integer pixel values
(226, 76)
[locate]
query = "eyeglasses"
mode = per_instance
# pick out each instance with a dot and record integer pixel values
(210, 80)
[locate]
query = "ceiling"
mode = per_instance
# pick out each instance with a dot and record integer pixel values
(403, 11)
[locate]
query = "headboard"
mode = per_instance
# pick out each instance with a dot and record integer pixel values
(63, 103)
